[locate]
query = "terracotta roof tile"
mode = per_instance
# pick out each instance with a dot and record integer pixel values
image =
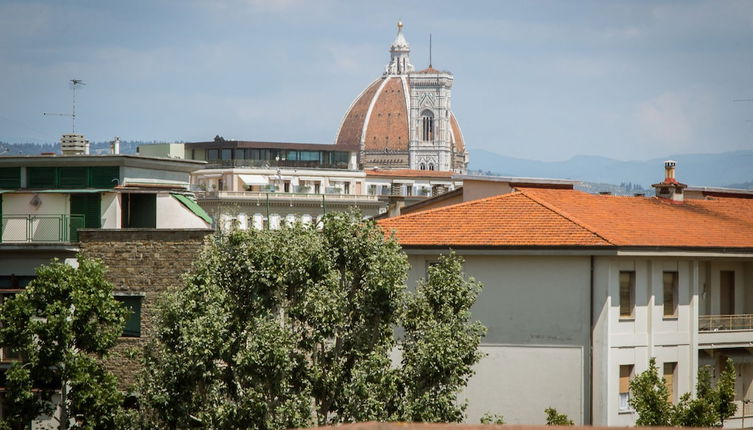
(506, 220)
(561, 217)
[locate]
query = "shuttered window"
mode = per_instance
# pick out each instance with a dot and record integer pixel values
(670, 294)
(132, 326)
(627, 294)
(41, 177)
(88, 206)
(104, 176)
(626, 371)
(669, 379)
(10, 177)
(73, 177)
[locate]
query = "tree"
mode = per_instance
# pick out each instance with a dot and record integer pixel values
(710, 408)
(296, 327)
(554, 418)
(61, 325)
(649, 397)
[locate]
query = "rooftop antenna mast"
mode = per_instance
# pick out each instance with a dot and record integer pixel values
(75, 83)
(430, 50)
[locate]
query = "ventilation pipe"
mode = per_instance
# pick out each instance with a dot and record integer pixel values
(115, 146)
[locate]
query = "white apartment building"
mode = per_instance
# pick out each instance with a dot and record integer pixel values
(581, 290)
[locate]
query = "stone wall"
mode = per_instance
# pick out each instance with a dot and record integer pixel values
(143, 262)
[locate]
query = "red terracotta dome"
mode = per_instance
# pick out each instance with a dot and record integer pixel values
(378, 119)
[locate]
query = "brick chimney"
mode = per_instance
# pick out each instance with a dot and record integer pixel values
(670, 189)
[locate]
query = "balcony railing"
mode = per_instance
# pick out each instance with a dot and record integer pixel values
(280, 195)
(725, 322)
(41, 228)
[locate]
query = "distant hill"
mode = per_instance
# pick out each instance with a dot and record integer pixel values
(126, 147)
(718, 170)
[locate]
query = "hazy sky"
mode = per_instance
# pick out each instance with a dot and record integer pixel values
(533, 79)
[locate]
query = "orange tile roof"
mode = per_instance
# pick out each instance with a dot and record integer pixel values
(535, 217)
(410, 173)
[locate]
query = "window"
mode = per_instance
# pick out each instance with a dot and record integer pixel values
(139, 210)
(670, 380)
(626, 371)
(627, 294)
(132, 326)
(212, 154)
(670, 294)
(727, 292)
(422, 166)
(427, 126)
(431, 166)
(227, 154)
(372, 190)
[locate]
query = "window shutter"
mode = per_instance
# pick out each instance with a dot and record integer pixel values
(132, 326)
(88, 205)
(625, 372)
(104, 176)
(41, 177)
(73, 177)
(10, 177)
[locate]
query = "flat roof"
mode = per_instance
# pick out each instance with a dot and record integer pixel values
(270, 145)
(517, 179)
(130, 160)
(721, 191)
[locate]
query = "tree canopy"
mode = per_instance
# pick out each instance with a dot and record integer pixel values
(60, 326)
(299, 326)
(712, 405)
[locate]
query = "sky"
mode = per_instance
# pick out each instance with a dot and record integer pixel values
(543, 80)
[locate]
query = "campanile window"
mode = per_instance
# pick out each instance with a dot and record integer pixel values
(427, 126)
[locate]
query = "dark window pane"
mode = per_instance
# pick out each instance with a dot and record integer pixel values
(132, 326)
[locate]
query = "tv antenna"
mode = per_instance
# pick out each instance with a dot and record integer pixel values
(430, 50)
(75, 83)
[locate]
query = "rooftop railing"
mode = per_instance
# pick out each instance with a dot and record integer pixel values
(41, 228)
(281, 195)
(725, 322)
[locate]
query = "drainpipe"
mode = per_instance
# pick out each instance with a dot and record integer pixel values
(591, 351)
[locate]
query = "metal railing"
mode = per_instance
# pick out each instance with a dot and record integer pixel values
(725, 322)
(281, 195)
(40, 228)
(214, 164)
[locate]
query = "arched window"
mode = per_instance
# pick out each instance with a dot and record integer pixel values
(427, 126)
(431, 166)
(422, 166)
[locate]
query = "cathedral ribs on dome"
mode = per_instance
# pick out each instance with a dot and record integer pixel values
(404, 120)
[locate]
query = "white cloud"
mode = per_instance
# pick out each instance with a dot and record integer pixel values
(675, 118)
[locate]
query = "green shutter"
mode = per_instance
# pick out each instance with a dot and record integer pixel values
(88, 205)
(104, 176)
(41, 177)
(10, 177)
(132, 326)
(73, 177)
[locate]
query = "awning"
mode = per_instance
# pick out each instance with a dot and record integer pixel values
(193, 207)
(310, 179)
(66, 191)
(254, 179)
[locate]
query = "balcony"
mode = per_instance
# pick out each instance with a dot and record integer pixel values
(725, 331)
(263, 196)
(41, 228)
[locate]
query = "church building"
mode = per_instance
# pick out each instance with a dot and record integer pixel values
(403, 120)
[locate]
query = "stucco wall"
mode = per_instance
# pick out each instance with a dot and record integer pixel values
(473, 190)
(536, 309)
(172, 214)
(137, 175)
(111, 215)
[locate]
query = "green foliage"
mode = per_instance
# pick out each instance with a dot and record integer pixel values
(296, 327)
(650, 398)
(711, 406)
(63, 322)
(554, 418)
(489, 418)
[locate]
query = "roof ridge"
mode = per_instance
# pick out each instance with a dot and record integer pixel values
(468, 203)
(563, 214)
